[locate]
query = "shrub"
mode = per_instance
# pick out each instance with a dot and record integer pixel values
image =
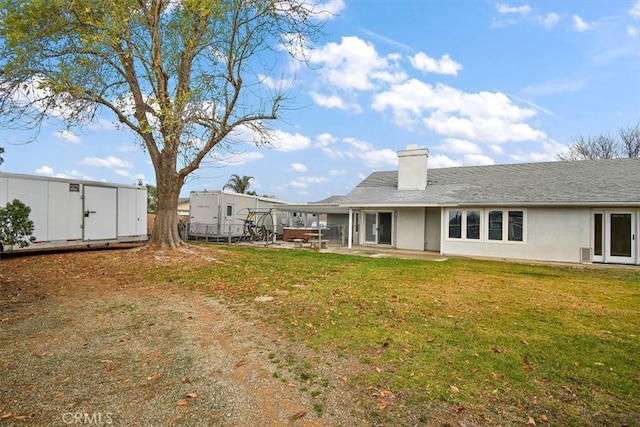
(15, 226)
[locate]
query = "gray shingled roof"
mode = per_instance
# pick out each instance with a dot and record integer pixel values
(588, 182)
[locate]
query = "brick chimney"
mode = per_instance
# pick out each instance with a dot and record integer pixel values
(412, 168)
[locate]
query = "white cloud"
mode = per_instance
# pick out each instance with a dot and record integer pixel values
(239, 158)
(490, 130)
(370, 156)
(480, 117)
(110, 162)
(38, 95)
(581, 25)
(136, 177)
(445, 65)
(325, 139)
(68, 136)
(298, 167)
(442, 161)
(354, 64)
(477, 159)
(549, 152)
(550, 19)
(520, 10)
(496, 149)
(284, 141)
(127, 148)
(48, 171)
(333, 101)
(337, 172)
(306, 181)
(329, 9)
(44, 170)
(635, 10)
(459, 146)
(632, 31)
(271, 83)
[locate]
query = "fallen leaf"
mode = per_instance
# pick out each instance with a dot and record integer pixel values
(182, 403)
(544, 418)
(497, 350)
(383, 404)
(378, 369)
(240, 362)
(192, 395)
(454, 389)
(297, 416)
(531, 422)
(385, 393)
(20, 417)
(370, 387)
(344, 379)
(59, 394)
(528, 367)
(524, 342)
(405, 350)
(494, 375)
(5, 416)
(185, 380)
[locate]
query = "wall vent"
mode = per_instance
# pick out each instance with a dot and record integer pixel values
(585, 255)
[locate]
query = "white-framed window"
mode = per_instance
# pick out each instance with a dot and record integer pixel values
(464, 224)
(501, 225)
(506, 225)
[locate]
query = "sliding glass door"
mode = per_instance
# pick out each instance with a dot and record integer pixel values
(378, 228)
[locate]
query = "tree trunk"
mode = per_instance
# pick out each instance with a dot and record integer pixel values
(165, 229)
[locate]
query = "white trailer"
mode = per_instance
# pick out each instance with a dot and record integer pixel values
(225, 215)
(70, 212)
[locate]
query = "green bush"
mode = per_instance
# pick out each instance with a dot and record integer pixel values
(15, 226)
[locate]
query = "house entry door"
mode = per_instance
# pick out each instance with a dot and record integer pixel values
(378, 228)
(614, 237)
(621, 240)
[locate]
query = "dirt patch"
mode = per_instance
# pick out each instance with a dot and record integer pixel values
(84, 341)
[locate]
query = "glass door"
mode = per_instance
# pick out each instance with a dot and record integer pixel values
(378, 228)
(370, 227)
(384, 228)
(621, 239)
(598, 237)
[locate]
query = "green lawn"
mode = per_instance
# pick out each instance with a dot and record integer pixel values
(492, 342)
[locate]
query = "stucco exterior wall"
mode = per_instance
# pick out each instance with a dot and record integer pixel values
(551, 234)
(410, 228)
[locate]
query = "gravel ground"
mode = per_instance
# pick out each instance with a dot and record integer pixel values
(81, 346)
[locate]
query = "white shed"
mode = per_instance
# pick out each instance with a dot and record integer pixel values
(69, 212)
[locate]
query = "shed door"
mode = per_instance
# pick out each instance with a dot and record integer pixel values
(100, 213)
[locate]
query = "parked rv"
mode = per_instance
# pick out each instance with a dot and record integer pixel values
(70, 212)
(228, 216)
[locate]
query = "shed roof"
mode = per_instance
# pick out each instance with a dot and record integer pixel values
(587, 182)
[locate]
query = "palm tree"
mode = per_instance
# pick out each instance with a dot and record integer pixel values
(239, 184)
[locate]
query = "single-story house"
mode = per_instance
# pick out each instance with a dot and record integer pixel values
(579, 211)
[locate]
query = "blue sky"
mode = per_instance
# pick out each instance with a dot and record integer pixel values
(476, 82)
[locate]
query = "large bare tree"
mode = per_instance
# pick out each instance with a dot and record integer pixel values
(180, 74)
(605, 146)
